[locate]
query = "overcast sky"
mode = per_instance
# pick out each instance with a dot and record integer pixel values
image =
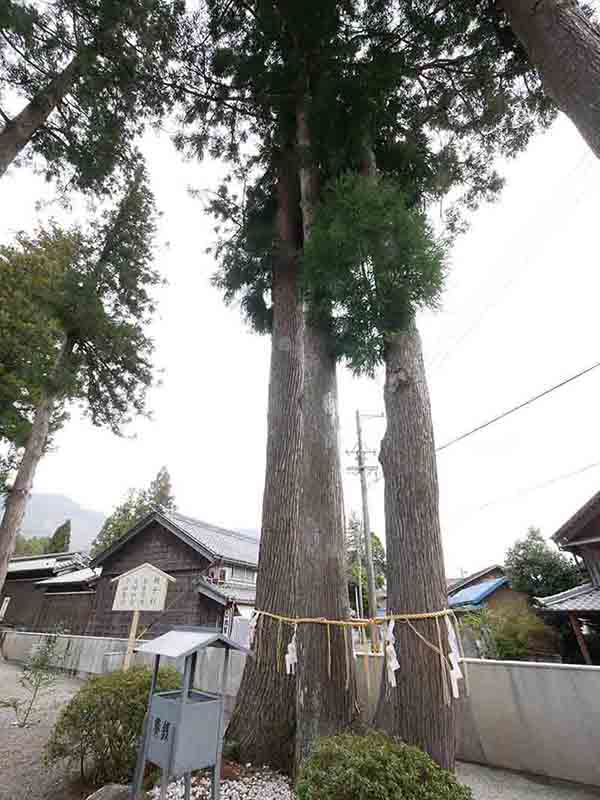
(520, 313)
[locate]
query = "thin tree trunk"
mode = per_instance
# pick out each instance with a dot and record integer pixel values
(416, 710)
(19, 131)
(564, 47)
(263, 723)
(326, 684)
(18, 496)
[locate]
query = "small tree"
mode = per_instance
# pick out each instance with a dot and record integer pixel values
(34, 546)
(60, 541)
(39, 675)
(539, 569)
(97, 303)
(136, 505)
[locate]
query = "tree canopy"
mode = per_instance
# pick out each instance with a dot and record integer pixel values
(92, 72)
(137, 504)
(539, 569)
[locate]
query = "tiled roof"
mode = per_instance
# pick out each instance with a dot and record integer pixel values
(579, 519)
(476, 594)
(582, 598)
(222, 543)
(217, 544)
(55, 562)
(79, 576)
(246, 595)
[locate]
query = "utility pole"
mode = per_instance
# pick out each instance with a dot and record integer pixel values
(362, 471)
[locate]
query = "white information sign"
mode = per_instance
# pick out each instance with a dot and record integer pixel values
(141, 589)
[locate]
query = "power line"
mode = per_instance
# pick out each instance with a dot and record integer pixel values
(441, 357)
(518, 407)
(529, 489)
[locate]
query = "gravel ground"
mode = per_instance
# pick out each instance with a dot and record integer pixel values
(23, 776)
(260, 784)
(498, 784)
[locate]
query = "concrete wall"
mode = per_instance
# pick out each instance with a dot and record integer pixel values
(532, 717)
(526, 716)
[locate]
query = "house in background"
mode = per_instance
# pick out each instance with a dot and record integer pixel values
(580, 535)
(487, 588)
(214, 570)
(24, 604)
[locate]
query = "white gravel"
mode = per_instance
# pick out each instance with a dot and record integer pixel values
(262, 784)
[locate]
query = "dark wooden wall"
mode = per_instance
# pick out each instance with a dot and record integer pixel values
(184, 606)
(25, 603)
(67, 612)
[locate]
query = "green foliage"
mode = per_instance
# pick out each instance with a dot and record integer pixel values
(437, 92)
(122, 52)
(374, 767)
(137, 504)
(35, 546)
(370, 264)
(512, 634)
(99, 728)
(60, 541)
(94, 300)
(355, 553)
(538, 568)
(39, 675)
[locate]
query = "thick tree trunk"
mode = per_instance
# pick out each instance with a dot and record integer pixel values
(326, 681)
(17, 498)
(564, 46)
(19, 131)
(416, 710)
(263, 723)
(326, 685)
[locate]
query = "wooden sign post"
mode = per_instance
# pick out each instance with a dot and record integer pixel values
(141, 589)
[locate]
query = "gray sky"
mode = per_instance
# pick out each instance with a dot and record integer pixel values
(519, 314)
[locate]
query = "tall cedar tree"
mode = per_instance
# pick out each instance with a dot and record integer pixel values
(137, 504)
(91, 73)
(563, 42)
(437, 89)
(99, 304)
(278, 37)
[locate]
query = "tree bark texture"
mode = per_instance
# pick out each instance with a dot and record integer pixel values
(326, 700)
(326, 680)
(17, 498)
(564, 47)
(263, 722)
(416, 710)
(20, 130)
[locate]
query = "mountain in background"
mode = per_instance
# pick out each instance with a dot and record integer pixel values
(45, 512)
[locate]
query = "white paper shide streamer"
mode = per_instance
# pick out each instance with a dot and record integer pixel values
(252, 630)
(391, 660)
(291, 657)
(455, 673)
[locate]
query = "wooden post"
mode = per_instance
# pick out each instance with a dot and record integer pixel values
(131, 641)
(580, 638)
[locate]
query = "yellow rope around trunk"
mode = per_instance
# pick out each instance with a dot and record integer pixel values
(406, 619)
(358, 622)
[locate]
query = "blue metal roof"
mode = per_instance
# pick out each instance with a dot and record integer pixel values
(476, 594)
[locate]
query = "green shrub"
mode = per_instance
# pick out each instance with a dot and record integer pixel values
(374, 767)
(100, 726)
